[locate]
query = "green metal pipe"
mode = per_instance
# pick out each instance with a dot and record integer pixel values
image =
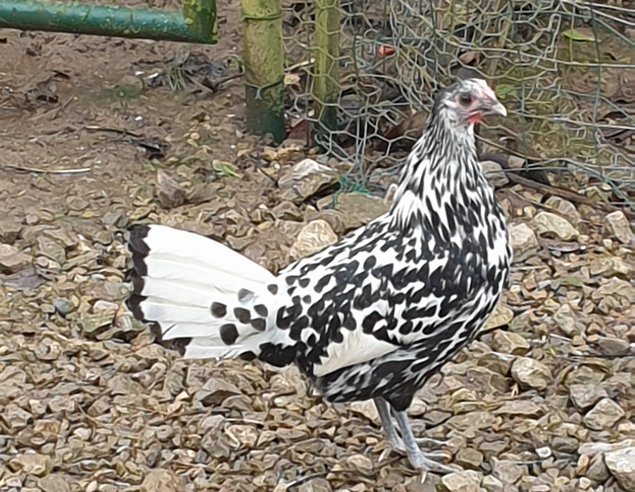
(196, 24)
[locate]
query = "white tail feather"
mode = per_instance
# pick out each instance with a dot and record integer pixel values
(183, 246)
(192, 287)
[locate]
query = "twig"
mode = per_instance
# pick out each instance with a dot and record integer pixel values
(301, 64)
(561, 192)
(214, 85)
(243, 421)
(24, 169)
(95, 128)
(304, 479)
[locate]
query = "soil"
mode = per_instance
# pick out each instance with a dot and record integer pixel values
(98, 133)
(85, 102)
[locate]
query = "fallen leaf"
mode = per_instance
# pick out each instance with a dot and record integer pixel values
(468, 57)
(383, 51)
(224, 168)
(291, 79)
(579, 34)
(504, 90)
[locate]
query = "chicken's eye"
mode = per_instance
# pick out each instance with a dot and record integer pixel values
(465, 99)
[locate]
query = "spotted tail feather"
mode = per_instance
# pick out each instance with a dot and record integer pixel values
(209, 301)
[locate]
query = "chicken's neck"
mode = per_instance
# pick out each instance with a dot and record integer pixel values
(442, 189)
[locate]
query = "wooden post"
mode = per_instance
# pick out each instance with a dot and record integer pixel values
(263, 56)
(327, 51)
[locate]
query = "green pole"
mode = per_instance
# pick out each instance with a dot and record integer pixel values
(196, 24)
(263, 56)
(327, 52)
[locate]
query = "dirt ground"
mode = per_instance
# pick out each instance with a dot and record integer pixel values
(92, 138)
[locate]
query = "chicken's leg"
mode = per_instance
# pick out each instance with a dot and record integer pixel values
(396, 443)
(383, 409)
(418, 459)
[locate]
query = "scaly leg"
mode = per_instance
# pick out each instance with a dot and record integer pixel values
(418, 459)
(396, 443)
(383, 409)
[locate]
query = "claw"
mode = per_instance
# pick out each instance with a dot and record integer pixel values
(425, 463)
(409, 445)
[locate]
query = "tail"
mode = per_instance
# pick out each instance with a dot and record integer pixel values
(210, 300)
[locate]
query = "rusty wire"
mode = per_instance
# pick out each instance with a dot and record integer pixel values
(565, 70)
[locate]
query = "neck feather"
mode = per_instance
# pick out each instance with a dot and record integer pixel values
(441, 184)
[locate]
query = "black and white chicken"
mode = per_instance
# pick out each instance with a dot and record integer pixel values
(372, 316)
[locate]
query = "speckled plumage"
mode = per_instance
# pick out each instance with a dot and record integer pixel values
(372, 316)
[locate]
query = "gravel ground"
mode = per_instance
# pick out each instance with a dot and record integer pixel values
(542, 401)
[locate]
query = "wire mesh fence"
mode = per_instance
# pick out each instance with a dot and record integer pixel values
(565, 70)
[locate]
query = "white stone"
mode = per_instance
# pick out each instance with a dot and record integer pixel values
(548, 223)
(524, 241)
(314, 237)
(494, 173)
(621, 464)
(618, 225)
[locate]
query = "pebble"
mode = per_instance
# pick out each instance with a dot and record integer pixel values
(595, 448)
(493, 484)
(62, 306)
(523, 408)
(170, 194)
(604, 415)
(317, 485)
(102, 306)
(543, 452)
(162, 481)
(507, 471)
(523, 240)
(567, 321)
(617, 224)
(12, 260)
(584, 396)
(510, 343)
(610, 346)
(531, 373)
(357, 209)
(609, 266)
(494, 173)
(215, 391)
(565, 444)
(465, 481)
(360, 464)
(469, 458)
(565, 208)
(313, 237)
(366, 409)
(15, 418)
(501, 316)
(596, 469)
(30, 463)
(305, 179)
(496, 362)
(547, 223)
(50, 248)
(390, 193)
(621, 464)
(287, 210)
(55, 482)
(10, 229)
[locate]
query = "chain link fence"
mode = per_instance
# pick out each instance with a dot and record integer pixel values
(565, 69)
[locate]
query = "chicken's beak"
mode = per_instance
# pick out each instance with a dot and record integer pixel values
(498, 108)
